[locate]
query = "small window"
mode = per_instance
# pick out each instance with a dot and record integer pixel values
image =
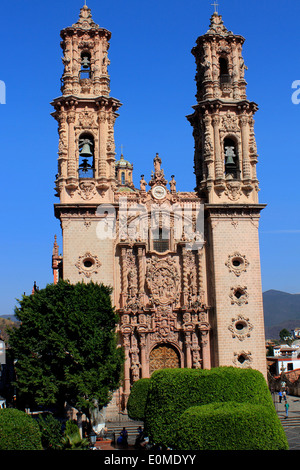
(123, 177)
(161, 244)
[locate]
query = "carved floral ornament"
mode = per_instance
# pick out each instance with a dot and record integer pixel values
(237, 263)
(239, 295)
(88, 264)
(242, 359)
(240, 327)
(87, 190)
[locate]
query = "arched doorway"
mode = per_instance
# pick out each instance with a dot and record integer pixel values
(163, 356)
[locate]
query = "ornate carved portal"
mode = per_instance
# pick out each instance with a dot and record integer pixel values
(163, 357)
(163, 319)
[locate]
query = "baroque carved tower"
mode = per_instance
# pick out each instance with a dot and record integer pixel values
(86, 115)
(86, 176)
(225, 161)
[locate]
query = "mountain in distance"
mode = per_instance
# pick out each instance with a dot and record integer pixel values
(281, 310)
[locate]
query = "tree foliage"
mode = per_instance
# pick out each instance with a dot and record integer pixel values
(286, 336)
(18, 431)
(65, 347)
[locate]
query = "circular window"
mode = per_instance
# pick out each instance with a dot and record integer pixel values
(88, 263)
(240, 326)
(237, 262)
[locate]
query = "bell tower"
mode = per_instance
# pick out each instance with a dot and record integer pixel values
(86, 175)
(225, 159)
(85, 113)
(225, 147)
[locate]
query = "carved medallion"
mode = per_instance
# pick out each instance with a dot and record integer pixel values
(162, 280)
(240, 327)
(88, 264)
(237, 263)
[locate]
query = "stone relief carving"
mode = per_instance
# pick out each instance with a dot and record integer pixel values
(242, 359)
(240, 327)
(87, 190)
(162, 280)
(237, 263)
(233, 190)
(88, 264)
(239, 295)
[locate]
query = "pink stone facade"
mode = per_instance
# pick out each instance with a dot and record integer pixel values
(184, 266)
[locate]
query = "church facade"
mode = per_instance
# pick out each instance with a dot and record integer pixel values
(184, 266)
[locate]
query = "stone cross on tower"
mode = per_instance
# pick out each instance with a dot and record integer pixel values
(215, 5)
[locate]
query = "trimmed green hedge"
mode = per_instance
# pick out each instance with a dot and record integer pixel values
(18, 431)
(137, 399)
(173, 391)
(230, 426)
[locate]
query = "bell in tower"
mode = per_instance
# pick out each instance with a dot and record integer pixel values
(85, 145)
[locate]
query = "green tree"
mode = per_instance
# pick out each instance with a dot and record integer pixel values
(286, 336)
(66, 348)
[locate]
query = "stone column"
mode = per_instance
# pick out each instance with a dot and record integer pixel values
(72, 173)
(205, 344)
(200, 275)
(124, 285)
(184, 278)
(188, 344)
(218, 158)
(144, 368)
(126, 343)
(102, 145)
(245, 147)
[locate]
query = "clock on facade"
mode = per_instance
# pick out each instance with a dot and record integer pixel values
(159, 192)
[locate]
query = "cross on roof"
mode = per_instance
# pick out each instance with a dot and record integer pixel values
(215, 5)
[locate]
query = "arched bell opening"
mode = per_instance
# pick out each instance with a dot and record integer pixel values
(86, 165)
(231, 162)
(85, 70)
(224, 71)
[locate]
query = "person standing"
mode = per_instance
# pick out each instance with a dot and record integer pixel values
(286, 409)
(280, 396)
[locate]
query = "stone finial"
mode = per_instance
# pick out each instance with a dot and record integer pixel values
(217, 26)
(85, 19)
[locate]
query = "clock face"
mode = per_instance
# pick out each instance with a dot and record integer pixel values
(159, 192)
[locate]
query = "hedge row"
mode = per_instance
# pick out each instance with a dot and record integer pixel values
(163, 402)
(230, 426)
(137, 400)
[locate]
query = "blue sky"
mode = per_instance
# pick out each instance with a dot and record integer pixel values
(152, 73)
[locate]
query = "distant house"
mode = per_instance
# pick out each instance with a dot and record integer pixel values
(296, 333)
(286, 358)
